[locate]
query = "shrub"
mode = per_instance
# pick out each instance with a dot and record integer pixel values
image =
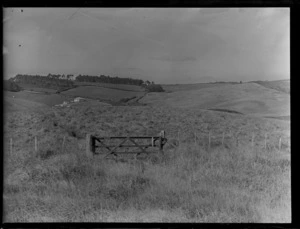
(45, 154)
(11, 86)
(154, 88)
(74, 131)
(125, 100)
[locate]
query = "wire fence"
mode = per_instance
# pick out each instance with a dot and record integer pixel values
(262, 140)
(267, 140)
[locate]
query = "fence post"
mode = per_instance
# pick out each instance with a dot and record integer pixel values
(11, 146)
(160, 144)
(63, 144)
(90, 145)
(209, 139)
(223, 136)
(279, 144)
(252, 140)
(35, 144)
(162, 135)
(265, 141)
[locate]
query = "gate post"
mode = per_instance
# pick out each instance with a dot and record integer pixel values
(160, 144)
(162, 135)
(90, 145)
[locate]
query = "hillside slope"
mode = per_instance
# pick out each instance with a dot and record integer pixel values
(247, 98)
(96, 92)
(27, 100)
(279, 85)
(188, 87)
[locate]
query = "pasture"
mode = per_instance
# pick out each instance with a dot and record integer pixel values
(95, 92)
(125, 87)
(188, 87)
(189, 183)
(247, 98)
(32, 97)
(29, 100)
(279, 85)
(34, 88)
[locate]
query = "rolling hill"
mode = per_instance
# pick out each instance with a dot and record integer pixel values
(35, 97)
(29, 100)
(188, 87)
(279, 85)
(95, 92)
(247, 98)
(125, 87)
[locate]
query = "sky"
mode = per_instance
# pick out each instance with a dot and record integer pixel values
(164, 45)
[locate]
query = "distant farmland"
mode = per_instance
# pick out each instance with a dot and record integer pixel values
(125, 87)
(23, 99)
(95, 92)
(34, 97)
(188, 87)
(246, 98)
(31, 87)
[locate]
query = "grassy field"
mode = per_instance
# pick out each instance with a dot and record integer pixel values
(15, 101)
(34, 97)
(125, 87)
(13, 105)
(31, 87)
(26, 100)
(279, 85)
(95, 92)
(189, 183)
(247, 98)
(189, 87)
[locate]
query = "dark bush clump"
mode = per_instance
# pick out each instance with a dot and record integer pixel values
(125, 100)
(154, 88)
(11, 86)
(45, 154)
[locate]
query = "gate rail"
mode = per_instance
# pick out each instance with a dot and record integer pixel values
(93, 142)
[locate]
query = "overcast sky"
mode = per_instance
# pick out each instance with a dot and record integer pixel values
(163, 45)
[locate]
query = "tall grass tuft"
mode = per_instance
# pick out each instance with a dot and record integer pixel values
(189, 182)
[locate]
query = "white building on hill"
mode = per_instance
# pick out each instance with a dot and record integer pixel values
(76, 100)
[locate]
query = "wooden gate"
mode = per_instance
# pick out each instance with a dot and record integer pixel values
(120, 145)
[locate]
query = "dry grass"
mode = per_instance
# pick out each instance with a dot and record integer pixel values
(189, 183)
